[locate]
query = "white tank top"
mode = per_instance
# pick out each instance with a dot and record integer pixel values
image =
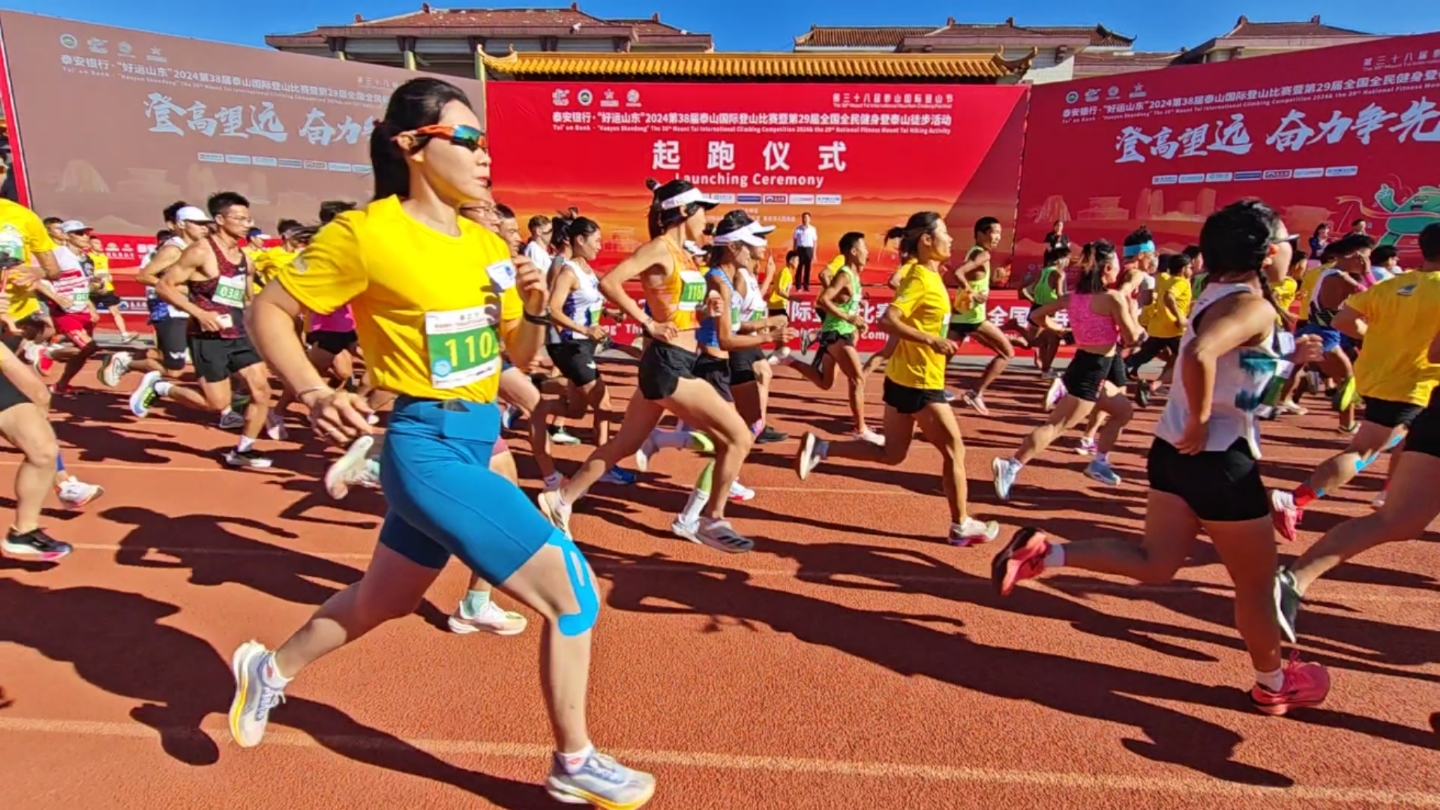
(1241, 377)
(584, 303)
(752, 306)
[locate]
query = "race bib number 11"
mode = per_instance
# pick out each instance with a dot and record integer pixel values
(463, 346)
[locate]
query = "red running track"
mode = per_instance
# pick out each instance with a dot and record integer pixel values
(852, 659)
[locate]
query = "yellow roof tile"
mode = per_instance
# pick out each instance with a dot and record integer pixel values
(758, 65)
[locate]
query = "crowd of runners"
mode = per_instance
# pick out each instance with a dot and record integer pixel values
(419, 329)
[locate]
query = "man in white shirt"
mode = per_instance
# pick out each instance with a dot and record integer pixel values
(537, 250)
(805, 241)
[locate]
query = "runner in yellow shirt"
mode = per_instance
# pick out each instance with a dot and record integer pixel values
(102, 292)
(25, 243)
(426, 285)
(1169, 314)
(915, 379)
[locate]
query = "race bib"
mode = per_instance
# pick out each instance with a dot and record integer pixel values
(592, 315)
(463, 346)
(692, 290)
(503, 274)
(230, 291)
(77, 289)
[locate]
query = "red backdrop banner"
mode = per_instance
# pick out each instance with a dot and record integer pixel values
(857, 157)
(1328, 135)
(113, 125)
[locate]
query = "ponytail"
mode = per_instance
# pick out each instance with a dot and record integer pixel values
(387, 163)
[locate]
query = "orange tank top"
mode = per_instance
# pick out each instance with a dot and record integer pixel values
(678, 298)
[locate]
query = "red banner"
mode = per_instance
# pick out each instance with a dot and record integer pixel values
(1327, 135)
(113, 124)
(857, 157)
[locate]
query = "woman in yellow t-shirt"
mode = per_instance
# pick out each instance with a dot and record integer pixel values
(1169, 314)
(878, 359)
(915, 378)
(426, 285)
(784, 283)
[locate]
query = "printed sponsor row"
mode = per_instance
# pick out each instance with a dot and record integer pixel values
(1266, 174)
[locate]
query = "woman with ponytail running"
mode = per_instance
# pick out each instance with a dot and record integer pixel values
(915, 379)
(427, 287)
(1204, 464)
(675, 291)
(1101, 318)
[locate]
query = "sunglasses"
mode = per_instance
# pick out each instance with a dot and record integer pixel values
(466, 136)
(1292, 240)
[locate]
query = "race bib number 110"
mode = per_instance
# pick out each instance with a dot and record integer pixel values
(463, 346)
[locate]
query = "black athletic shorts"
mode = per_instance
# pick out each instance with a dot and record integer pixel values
(172, 339)
(1087, 373)
(716, 371)
(1390, 414)
(742, 365)
(1424, 435)
(10, 396)
(333, 342)
(828, 338)
(907, 400)
(216, 358)
(662, 367)
(960, 331)
(106, 299)
(773, 311)
(575, 360)
(1223, 486)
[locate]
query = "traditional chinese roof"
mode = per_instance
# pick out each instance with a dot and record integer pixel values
(566, 23)
(853, 66)
(956, 33)
(1106, 63)
(1273, 35)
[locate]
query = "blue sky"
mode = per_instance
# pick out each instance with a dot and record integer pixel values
(751, 25)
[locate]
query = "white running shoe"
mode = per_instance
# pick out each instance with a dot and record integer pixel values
(254, 697)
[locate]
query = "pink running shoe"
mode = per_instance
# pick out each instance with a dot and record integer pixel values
(1305, 685)
(1285, 514)
(1022, 558)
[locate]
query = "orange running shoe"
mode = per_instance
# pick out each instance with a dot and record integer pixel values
(1305, 685)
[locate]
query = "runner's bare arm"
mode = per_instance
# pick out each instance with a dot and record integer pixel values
(271, 324)
(827, 303)
(49, 266)
(1124, 315)
(1038, 314)
(149, 275)
(612, 286)
(1350, 322)
(186, 267)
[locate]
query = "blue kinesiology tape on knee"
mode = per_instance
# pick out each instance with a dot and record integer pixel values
(573, 624)
(1366, 461)
(59, 463)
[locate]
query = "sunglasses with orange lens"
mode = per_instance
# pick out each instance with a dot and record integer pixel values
(468, 137)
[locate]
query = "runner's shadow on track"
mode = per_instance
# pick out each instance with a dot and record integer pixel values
(1087, 689)
(214, 555)
(28, 566)
(360, 501)
(181, 680)
(114, 444)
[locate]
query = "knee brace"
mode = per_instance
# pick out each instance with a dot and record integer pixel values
(581, 583)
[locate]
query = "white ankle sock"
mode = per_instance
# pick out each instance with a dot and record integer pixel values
(1274, 681)
(1055, 557)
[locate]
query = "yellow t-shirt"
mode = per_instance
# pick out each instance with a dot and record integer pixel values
(925, 304)
(427, 305)
(787, 277)
(268, 263)
(1285, 293)
(1308, 280)
(1162, 323)
(22, 235)
(1400, 317)
(102, 272)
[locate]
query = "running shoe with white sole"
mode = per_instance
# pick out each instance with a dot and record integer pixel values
(350, 468)
(976, 401)
(1005, 471)
(254, 696)
(1100, 470)
(601, 782)
(145, 394)
(767, 435)
(1287, 604)
(35, 544)
(1054, 394)
(973, 532)
(721, 536)
(560, 436)
(811, 453)
(615, 475)
(685, 530)
(1087, 446)
(741, 493)
(75, 494)
(232, 420)
(869, 435)
(275, 427)
(1285, 514)
(491, 619)
(112, 370)
(647, 451)
(251, 458)
(1022, 558)
(1305, 685)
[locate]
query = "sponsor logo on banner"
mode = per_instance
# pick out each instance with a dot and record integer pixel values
(1219, 177)
(585, 97)
(1248, 175)
(802, 199)
(827, 199)
(632, 98)
(776, 199)
(561, 97)
(1309, 174)
(753, 199)
(1197, 177)
(1164, 179)
(1278, 174)
(609, 99)
(724, 198)
(1342, 171)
